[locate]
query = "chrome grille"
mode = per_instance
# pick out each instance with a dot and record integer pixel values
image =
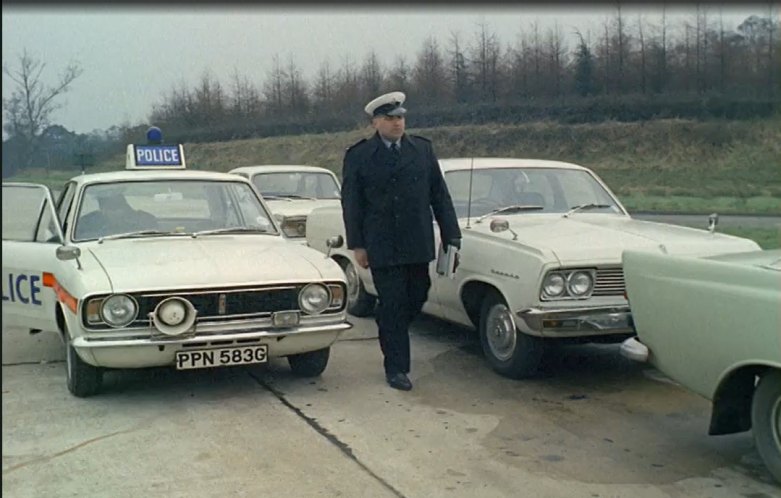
(609, 282)
(223, 305)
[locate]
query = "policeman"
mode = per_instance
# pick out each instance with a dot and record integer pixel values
(391, 185)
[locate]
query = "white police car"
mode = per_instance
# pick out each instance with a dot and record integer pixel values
(159, 265)
(292, 192)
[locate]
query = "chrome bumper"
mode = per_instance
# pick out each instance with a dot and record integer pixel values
(239, 335)
(575, 322)
(635, 350)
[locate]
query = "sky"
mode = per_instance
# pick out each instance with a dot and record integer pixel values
(133, 55)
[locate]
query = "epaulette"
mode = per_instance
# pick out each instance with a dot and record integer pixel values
(356, 143)
(422, 138)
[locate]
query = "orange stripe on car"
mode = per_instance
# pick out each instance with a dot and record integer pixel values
(48, 279)
(63, 295)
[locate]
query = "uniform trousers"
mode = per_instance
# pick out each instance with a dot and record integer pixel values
(401, 290)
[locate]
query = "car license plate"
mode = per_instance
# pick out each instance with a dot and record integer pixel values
(221, 357)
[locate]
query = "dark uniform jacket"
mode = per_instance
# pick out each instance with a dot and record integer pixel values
(387, 207)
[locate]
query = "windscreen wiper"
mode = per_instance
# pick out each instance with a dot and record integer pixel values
(231, 230)
(575, 209)
(296, 196)
(515, 208)
(137, 233)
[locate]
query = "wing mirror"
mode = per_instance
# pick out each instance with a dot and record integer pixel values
(66, 253)
(713, 220)
(499, 225)
(334, 242)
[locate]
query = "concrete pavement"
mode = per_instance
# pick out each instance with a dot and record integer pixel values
(594, 425)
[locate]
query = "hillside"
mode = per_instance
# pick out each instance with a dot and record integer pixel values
(683, 165)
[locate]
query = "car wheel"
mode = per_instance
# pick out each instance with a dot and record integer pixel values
(766, 421)
(509, 351)
(82, 378)
(359, 302)
(309, 364)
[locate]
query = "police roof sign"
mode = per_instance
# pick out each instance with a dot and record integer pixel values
(156, 156)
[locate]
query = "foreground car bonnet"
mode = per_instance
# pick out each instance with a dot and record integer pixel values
(207, 261)
(584, 237)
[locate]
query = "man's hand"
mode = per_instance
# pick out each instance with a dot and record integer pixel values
(455, 243)
(361, 257)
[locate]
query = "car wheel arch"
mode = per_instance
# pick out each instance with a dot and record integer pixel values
(59, 316)
(731, 401)
(472, 296)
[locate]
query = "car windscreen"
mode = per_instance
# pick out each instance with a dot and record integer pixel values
(168, 206)
(555, 190)
(297, 184)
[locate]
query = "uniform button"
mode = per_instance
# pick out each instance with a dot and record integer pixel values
(395, 197)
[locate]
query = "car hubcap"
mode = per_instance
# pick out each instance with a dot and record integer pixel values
(500, 332)
(353, 283)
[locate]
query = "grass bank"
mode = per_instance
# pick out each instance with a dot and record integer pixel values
(670, 165)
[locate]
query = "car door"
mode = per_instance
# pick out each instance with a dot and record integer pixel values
(31, 236)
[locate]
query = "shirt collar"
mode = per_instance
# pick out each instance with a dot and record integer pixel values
(388, 142)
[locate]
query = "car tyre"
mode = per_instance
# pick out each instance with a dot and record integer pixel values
(309, 364)
(766, 421)
(83, 379)
(510, 352)
(359, 302)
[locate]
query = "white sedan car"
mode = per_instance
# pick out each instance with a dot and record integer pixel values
(152, 268)
(292, 192)
(540, 260)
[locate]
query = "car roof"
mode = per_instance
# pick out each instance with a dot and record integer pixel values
(147, 175)
(466, 163)
(280, 168)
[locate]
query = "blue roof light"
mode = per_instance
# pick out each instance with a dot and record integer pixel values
(154, 135)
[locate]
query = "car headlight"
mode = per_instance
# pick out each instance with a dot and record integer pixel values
(118, 310)
(314, 299)
(554, 285)
(294, 227)
(579, 283)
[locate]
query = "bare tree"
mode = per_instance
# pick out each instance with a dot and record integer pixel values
(371, 77)
(556, 53)
(296, 98)
(429, 73)
(245, 102)
(398, 78)
(641, 39)
(621, 48)
(459, 78)
(28, 110)
(323, 87)
(274, 87)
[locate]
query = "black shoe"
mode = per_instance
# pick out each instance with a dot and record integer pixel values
(399, 381)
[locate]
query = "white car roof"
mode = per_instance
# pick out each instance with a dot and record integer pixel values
(280, 168)
(131, 175)
(465, 163)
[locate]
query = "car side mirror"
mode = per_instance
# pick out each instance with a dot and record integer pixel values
(713, 220)
(334, 242)
(67, 253)
(499, 225)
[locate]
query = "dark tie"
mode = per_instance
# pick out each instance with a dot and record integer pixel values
(395, 152)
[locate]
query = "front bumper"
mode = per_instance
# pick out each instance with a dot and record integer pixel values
(635, 350)
(142, 348)
(576, 322)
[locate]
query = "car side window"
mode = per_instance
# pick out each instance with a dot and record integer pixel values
(46, 230)
(22, 208)
(64, 203)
